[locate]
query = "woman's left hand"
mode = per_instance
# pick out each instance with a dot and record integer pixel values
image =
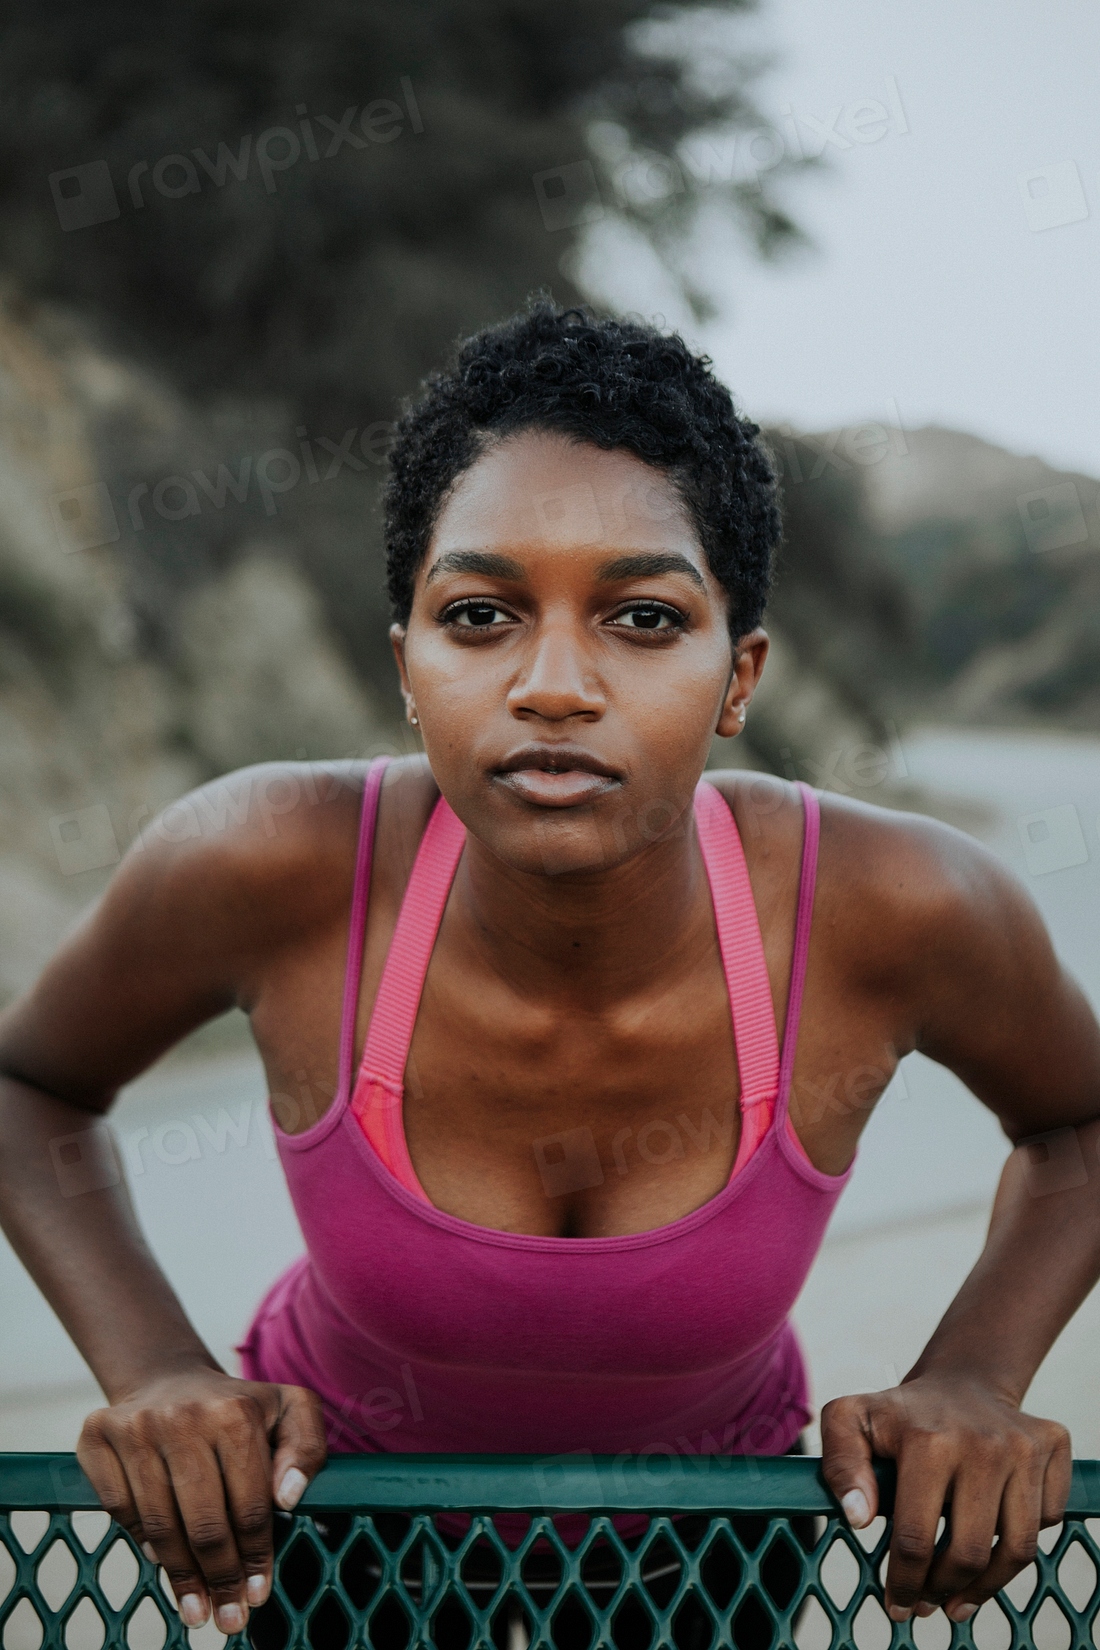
(962, 1451)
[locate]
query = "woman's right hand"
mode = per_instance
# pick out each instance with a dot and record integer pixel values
(190, 1464)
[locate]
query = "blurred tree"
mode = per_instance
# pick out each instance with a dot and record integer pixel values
(838, 598)
(388, 157)
(288, 213)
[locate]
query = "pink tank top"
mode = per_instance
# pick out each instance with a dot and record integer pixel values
(423, 1332)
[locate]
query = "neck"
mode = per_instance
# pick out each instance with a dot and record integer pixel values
(595, 937)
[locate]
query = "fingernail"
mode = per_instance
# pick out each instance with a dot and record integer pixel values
(927, 1609)
(149, 1553)
(258, 1589)
(290, 1490)
(962, 1612)
(856, 1510)
(229, 1617)
(898, 1612)
(193, 1610)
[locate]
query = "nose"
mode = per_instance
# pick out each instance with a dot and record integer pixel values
(557, 680)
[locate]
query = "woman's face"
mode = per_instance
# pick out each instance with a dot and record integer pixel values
(568, 655)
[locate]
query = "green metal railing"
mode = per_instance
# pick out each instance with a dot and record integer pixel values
(397, 1552)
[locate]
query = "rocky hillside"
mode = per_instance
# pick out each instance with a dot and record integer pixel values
(100, 727)
(1000, 555)
(981, 564)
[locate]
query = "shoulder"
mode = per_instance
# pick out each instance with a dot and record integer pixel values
(277, 841)
(927, 934)
(265, 840)
(897, 893)
(767, 810)
(916, 904)
(223, 887)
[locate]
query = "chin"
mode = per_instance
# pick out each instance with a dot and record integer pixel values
(557, 843)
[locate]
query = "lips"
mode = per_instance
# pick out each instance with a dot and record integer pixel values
(556, 776)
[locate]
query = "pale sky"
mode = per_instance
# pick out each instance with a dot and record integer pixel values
(936, 291)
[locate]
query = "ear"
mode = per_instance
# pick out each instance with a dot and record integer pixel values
(748, 663)
(397, 642)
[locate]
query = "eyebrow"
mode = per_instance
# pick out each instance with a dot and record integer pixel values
(484, 562)
(648, 566)
(641, 565)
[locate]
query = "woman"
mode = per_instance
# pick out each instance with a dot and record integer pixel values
(609, 1035)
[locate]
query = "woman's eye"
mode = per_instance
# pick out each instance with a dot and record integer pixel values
(649, 617)
(475, 615)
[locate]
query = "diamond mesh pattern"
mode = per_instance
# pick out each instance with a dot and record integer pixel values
(347, 1575)
(27, 1587)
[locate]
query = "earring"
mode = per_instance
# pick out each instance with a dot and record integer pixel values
(415, 720)
(741, 714)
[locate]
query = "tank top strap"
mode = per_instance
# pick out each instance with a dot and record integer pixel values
(357, 925)
(811, 834)
(395, 1006)
(741, 947)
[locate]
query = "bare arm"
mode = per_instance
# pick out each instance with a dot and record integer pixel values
(1041, 1259)
(67, 1212)
(186, 1457)
(991, 1002)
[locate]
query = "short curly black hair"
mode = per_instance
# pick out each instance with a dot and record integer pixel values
(616, 384)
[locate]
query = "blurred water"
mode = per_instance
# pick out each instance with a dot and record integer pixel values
(1046, 788)
(210, 1192)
